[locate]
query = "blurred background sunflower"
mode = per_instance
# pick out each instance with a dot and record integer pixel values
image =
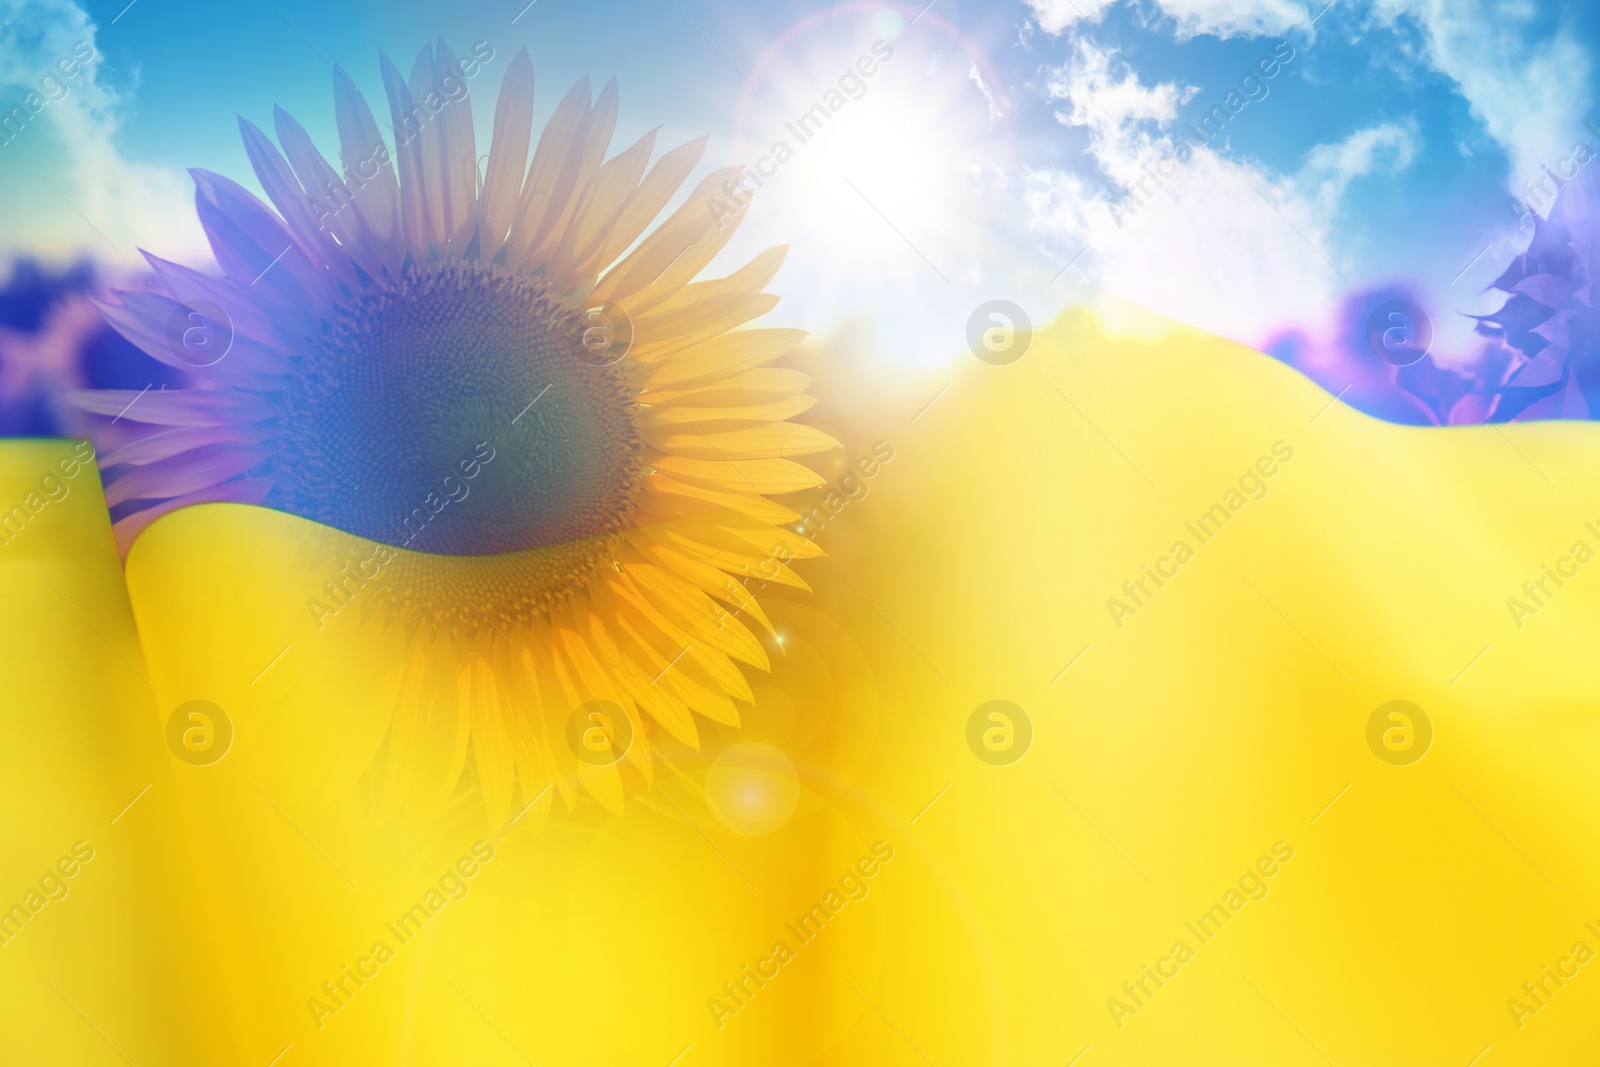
(541, 453)
(53, 340)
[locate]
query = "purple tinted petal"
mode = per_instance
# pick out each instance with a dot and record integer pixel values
(147, 320)
(186, 473)
(369, 174)
(286, 194)
(1574, 405)
(1544, 369)
(1557, 330)
(1513, 274)
(164, 444)
(329, 200)
(424, 87)
(1517, 401)
(187, 285)
(1548, 289)
(256, 251)
(508, 152)
(1550, 251)
(407, 123)
(171, 407)
(459, 153)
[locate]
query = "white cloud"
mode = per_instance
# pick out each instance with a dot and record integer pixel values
(1529, 95)
(1330, 168)
(1112, 108)
(996, 113)
(1221, 243)
(1053, 16)
(1222, 18)
(1224, 246)
(128, 202)
(1235, 18)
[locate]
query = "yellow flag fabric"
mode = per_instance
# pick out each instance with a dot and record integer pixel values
(1149, 707)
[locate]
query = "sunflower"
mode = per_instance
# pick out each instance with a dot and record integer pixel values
(556, 447)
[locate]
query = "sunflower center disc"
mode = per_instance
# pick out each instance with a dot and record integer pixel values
(452, 411)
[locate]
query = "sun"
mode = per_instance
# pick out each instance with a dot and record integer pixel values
(555, 446)
(883, 133)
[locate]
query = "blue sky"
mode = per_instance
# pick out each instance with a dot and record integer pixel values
(982, 159)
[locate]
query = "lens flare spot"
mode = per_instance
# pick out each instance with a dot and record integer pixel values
(752, 788)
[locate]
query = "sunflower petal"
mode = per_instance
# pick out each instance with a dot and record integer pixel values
(332, 224)
(760, 442)
(672, 414)
(508, 154)
(369, 176)
(491, 744)
(756, 386)
(709, 580)
(755, 506)
(165, 444)
(606, 198)
(187, 285)
(283, 189)
(652, 270)
(186, 473)
(765, 476)
(459, 152)
(177, 407)
(701, 619)
(652, 195)
(255, 249)
(729, 354)
(407, 123)
(553, 174)
(601, 122)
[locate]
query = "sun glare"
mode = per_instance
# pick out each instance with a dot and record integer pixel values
(858, 137)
